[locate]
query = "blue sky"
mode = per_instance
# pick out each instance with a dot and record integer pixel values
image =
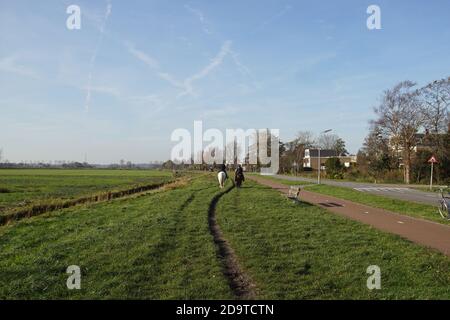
(159, 65)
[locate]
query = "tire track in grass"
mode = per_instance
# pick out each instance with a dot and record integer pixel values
(163, 253)
(174, 224)
(163, 247)
(239, 282)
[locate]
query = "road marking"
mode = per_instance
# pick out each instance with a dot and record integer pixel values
(382, 189)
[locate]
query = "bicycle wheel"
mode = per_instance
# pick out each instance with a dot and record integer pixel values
(443, 210)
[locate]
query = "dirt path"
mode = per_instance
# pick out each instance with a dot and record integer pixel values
(423, 232)
(239, 282)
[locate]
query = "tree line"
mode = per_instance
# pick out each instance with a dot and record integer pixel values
(411, 125)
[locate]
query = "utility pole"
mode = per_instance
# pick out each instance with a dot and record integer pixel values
(431, 177)
(318, 157)
(318, 165)
(432, 161)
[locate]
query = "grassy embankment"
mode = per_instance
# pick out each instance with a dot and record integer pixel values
(155, 246)
(303, 252)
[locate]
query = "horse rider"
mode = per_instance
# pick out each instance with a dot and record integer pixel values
(223, 168)
(239, 175)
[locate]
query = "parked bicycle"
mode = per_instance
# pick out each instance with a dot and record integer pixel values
(444, 204)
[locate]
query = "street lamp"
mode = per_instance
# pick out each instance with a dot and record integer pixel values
(318, 157)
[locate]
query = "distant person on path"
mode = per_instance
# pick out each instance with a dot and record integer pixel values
(239, 176)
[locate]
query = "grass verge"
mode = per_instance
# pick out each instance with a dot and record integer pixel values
(283, 181)
(303, 252)
(408, 208)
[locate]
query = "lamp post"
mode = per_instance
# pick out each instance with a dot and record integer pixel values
(318, 157)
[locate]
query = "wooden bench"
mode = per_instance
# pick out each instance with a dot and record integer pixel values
(294, 193)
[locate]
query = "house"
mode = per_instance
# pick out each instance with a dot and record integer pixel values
(422, 142)
(310, 159)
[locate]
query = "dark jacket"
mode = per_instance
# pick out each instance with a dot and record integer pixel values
(223, 168)
(239, 172)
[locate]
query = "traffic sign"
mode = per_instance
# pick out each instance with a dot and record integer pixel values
(432, 160)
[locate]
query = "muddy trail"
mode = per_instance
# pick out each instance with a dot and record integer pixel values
(239, 282)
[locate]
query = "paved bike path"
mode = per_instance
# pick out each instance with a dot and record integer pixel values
(402, 192)
(423, 232)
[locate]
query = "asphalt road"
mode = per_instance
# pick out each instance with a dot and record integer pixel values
(389, 190)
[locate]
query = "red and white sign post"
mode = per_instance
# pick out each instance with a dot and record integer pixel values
(432, 161)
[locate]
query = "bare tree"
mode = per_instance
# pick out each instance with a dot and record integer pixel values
(327, 141)
(305, 138)
(399, 119)
(435, 99)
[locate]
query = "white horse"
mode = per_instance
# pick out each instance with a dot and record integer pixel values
(221, 176)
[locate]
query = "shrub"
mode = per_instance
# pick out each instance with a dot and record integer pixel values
(334, 168)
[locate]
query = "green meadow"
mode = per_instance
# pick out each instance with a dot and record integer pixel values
(158, 244)
(25, 187)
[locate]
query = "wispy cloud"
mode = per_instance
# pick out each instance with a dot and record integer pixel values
(94, 55)
(145, 58)
(170, 79)
(275, 17)
(187, 84)
(153, 64)
(214, 63)
(201, 17)
(243, 69)
(9, 64)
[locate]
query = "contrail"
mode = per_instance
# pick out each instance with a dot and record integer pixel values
(94, 55)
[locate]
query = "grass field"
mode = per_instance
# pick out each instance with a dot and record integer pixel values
(303, 252)
(404, 207)
(25, 187)
(158, 245)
